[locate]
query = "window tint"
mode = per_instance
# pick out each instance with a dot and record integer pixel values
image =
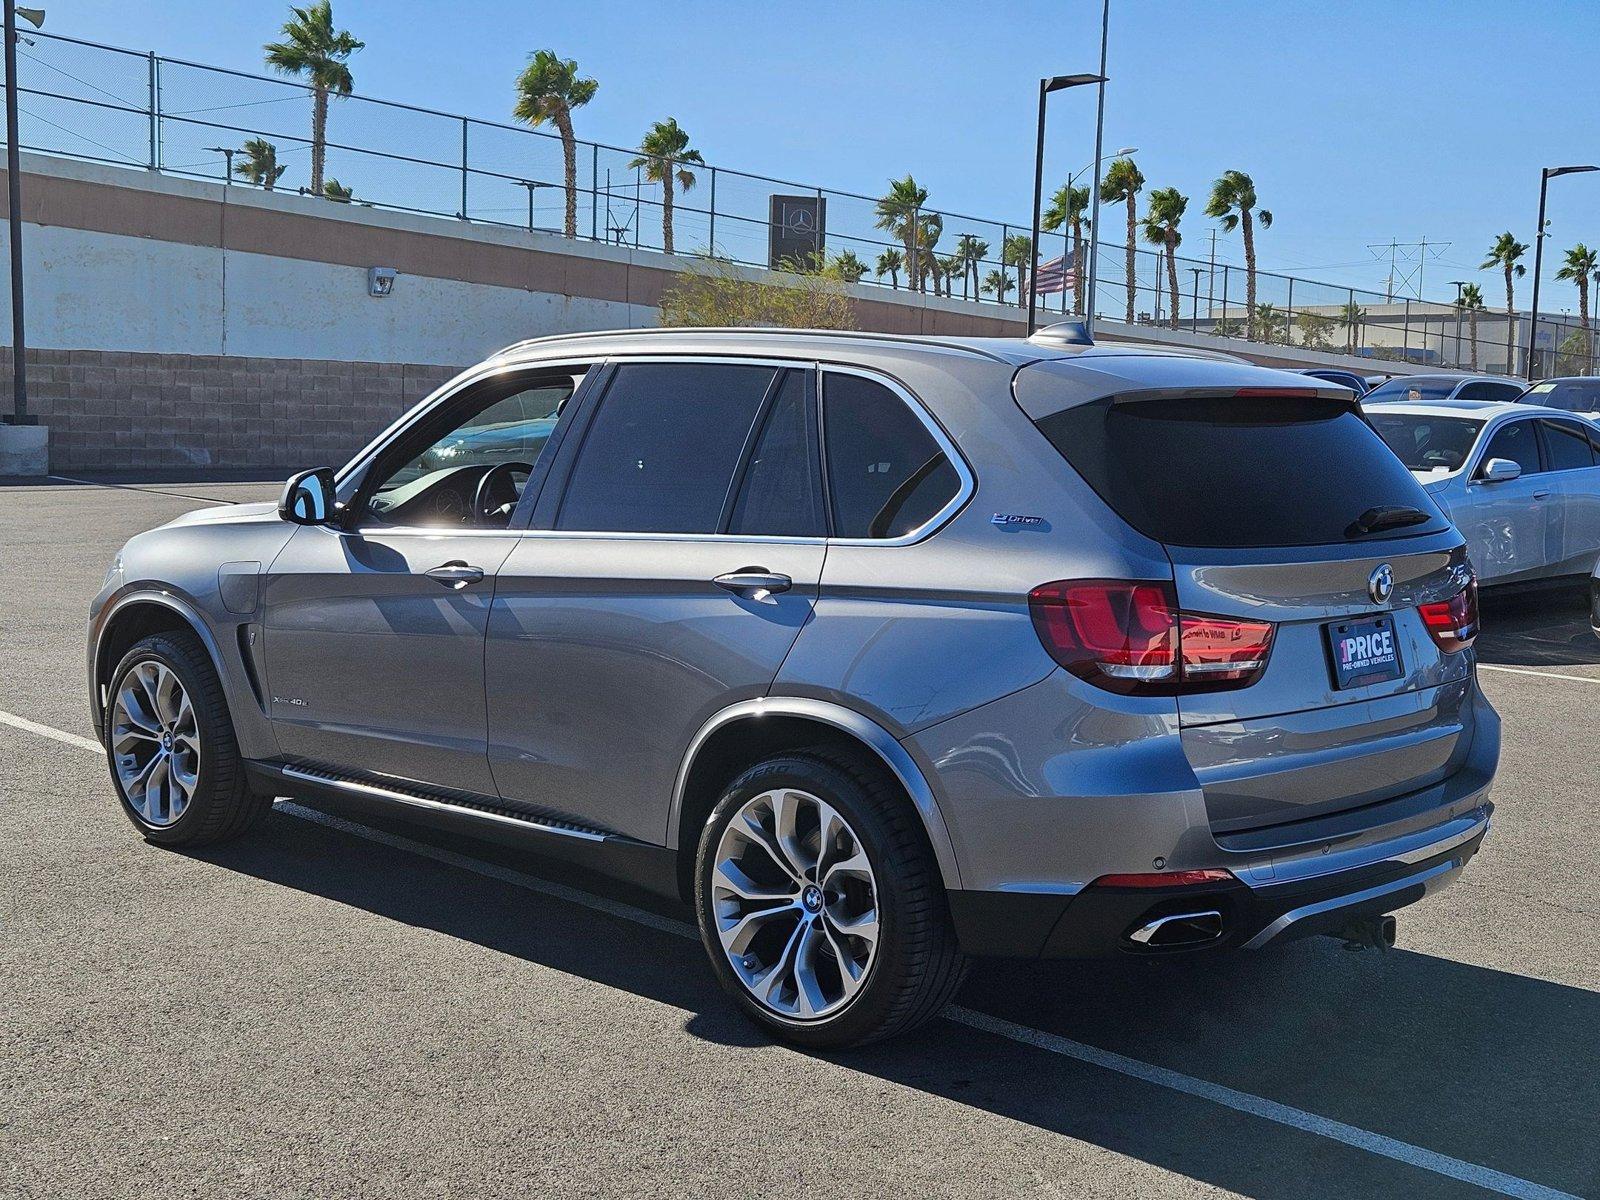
(1568, 446)
(661, 452)
(1236, 471)
(886, 475)
(1485, 390)
(1573, 395)
(1426, 443)
(1423, 387)
(1516, 442)
(782, 494)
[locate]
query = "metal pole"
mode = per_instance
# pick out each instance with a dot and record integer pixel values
(711, 238)
(594, 193)
(19, 348)
(1288, 326)
(1194, 321)
(1038, 197)
(1224, 293)
(1099, 153)
(155, 112)
(464, 216)
(1405, 337)
(1538, 263)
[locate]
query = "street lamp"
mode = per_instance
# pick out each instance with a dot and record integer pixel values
(19, 349)
(533, 185)
(1125, 152)
(1059, 83)
(1458, 284)
(227, 153)
(1545, 176)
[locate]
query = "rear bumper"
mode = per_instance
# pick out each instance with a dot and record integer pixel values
(1207, 919)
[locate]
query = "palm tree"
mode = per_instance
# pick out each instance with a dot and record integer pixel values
(1580, 266)
(890, 263)
(848, 267)
(971, 250)
(1504, 254)
(1233, 201)
(313, 48)
(333, 190)
(1161, 229)
(1122, 182)
(259, 164)
(998, 282)
(1351, 315)
(1070, 206)
(899, 213)
(1268, 317)
(930, 229)
(664, 148)
(1471, 300)
(548, 89)
(1017, 251)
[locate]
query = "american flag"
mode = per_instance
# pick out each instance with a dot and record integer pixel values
(1054, 276)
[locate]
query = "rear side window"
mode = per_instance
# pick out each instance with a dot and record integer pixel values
(1237, 471)
(1568, 446)
(887, 475)
(1515, 441)
(781, 493)
(1486, 390)
(661, 453)
(1412, 389)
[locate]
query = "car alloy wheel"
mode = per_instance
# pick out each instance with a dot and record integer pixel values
(796, 904)
(155, 741)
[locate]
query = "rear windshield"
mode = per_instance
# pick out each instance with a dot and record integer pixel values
(1411, 389)
(1238, 471)
(1428, 443)
(1573, 395)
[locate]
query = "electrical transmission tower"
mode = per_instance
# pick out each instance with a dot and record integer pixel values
(1406, 263)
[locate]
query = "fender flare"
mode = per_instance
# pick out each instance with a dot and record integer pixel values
(875, 737)
(179, 604)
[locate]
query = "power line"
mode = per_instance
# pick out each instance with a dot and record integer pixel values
(1409, 259)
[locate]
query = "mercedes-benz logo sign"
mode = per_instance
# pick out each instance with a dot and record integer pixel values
(1380, 584)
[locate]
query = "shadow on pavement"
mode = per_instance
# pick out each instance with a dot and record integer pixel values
(1544, 628)
(1488, 1067)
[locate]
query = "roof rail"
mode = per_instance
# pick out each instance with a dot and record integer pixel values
(859, 335)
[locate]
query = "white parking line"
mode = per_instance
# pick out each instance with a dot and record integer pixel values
(1542, 674)
(1176, 1081)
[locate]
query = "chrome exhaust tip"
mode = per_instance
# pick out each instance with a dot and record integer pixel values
(1179, 929)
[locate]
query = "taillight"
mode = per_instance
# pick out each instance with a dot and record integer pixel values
(1128, 636)
(1453, 623)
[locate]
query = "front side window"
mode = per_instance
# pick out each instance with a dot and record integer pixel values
(498, 429)
(887, 476)
(1516, 441)
(661, 452)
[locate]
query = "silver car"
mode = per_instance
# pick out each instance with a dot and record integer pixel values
(880, 652)
(1430, 388)
(1521, 482)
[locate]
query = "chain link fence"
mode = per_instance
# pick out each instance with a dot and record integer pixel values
(106, 104)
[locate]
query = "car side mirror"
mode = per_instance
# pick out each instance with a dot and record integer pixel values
(1500, 470)
(308, 498)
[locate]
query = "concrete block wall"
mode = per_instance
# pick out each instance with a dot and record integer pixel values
(112, 411)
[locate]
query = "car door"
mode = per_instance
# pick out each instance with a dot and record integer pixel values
(374, 627)
(674, 557)
(1508, 525)
(1569, 449)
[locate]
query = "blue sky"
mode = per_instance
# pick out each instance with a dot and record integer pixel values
(1359, 121)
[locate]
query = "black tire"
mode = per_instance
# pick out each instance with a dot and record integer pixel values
(918, 965)
(222, 806)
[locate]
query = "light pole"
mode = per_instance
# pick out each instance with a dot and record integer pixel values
(1099, 155)
(227, 153)
(1458, 284)
(1194, 322)
(19, 349)
(1545, 176)
(1046, 86)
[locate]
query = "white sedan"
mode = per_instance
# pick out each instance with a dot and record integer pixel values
(1520, 481)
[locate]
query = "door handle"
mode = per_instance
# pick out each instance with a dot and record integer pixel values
(1541, 495)
(753, 583)
(455, 575)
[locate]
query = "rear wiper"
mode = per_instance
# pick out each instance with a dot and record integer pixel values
(1386, 516)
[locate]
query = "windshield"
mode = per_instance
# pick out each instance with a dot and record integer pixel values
(1572, 395)
(1427, 444)
(1411, 389)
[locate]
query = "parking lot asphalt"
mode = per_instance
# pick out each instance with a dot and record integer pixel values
(349, 1010)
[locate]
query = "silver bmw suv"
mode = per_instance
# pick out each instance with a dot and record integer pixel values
(881, 652)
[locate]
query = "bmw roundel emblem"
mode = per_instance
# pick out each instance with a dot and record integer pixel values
(1380, 584)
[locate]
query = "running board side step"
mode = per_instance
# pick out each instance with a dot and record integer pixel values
(472, 809)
